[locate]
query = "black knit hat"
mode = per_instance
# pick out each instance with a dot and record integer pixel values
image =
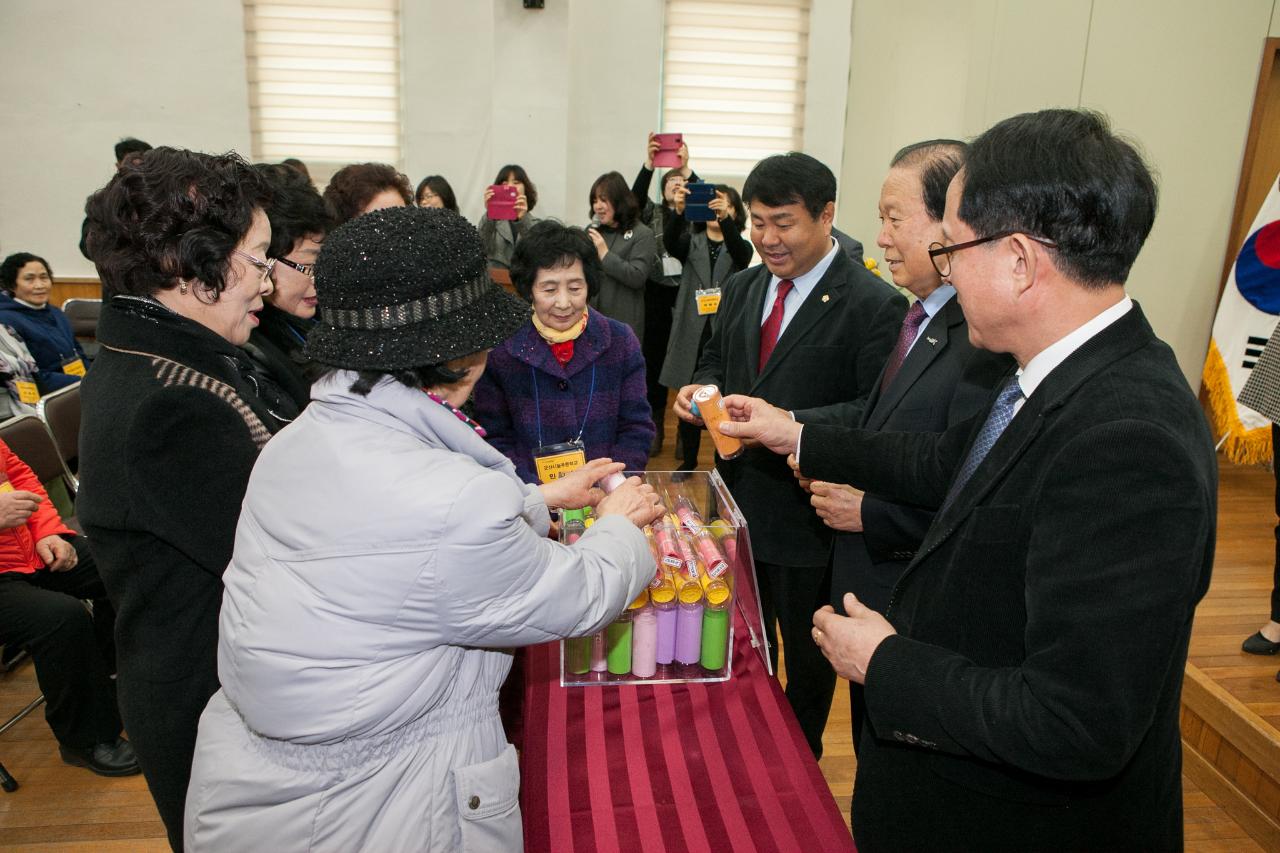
(407, 287)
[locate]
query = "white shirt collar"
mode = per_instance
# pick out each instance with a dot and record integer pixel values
(1039, 367)
(934, 301)
(30, 304)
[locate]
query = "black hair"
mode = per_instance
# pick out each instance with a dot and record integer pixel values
(295, 163)
(428, 376)
(438, 185)
(15, 262)
(354, 186)
(1063, 175)
(735, 201)
(296, 209)
(938, 161)
(511, 170)
(791, 178)
(172, 215)
(128, 146)
(612, 187)
(551, 245)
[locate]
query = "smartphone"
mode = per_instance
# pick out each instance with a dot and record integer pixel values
(668, 155)
(696, 203)
(502, 205)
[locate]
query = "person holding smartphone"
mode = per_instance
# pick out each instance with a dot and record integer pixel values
(501, 235)
(664, 275)
(626, 247)
(709, 252)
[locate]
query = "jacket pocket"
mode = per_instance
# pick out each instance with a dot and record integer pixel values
(487, 797)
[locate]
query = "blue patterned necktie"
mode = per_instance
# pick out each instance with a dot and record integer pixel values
(999, 418)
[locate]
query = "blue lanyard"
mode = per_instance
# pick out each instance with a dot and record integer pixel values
(537, 403)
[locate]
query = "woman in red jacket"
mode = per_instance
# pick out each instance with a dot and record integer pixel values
(45, 572)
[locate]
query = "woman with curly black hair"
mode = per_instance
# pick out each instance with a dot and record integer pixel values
(171, 428)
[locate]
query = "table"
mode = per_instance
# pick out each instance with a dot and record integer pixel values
(731, 773)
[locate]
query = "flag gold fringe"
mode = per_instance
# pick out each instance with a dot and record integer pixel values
(1243, 446)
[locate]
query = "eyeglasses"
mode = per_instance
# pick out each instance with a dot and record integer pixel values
(263, 267)
(308, 270)
(940, 255)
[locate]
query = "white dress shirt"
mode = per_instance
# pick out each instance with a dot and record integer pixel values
(1039, 367)
(933, 303)
(804, 285)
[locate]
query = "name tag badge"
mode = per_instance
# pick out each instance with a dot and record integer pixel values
(708, 301)
(6, 486)
(73, 367)
(671, 267)
(553, 461)
(27, 391)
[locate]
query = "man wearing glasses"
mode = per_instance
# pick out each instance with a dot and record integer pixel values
(1023, 691)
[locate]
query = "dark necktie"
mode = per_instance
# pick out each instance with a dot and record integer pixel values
(906, 337)
(773, 324)
(999, 418)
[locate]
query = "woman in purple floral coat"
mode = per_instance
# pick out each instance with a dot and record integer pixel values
(570, 374)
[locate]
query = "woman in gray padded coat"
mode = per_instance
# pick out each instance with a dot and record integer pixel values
(386, 562)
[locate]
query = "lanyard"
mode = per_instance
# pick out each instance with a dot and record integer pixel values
(537, 403)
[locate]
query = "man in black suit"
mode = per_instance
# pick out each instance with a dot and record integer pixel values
(1023, 693)
(924, 386)
(810, 329)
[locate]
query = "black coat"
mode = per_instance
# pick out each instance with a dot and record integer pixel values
(168, 436)
(823, 367)
(276, 349)
(1030, 699)
(943, 381)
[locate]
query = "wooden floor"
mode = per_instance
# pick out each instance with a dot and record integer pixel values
(1239, 597)
(67, 809)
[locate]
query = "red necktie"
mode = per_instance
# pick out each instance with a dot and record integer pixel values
(773, 324)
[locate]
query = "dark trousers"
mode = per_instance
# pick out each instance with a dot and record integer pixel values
(44, 613)
(658, 302)
(790, 595)
(1275, 580)
(162, 719)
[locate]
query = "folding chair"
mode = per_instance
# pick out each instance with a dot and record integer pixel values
(83, 314)
(60, 412)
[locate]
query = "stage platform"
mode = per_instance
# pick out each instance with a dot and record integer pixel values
(1231, 700)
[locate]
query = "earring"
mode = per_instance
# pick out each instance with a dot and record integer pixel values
(182, 288)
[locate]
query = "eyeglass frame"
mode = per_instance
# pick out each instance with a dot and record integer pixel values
(264, 267)
(309, 270)
(948, 251)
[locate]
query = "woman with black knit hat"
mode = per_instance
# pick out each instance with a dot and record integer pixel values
(387, 560)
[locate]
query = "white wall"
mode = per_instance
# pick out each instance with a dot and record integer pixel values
(568, 92)
(1178, 76)
(75, 77)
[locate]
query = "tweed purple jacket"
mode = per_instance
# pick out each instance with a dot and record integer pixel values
(618, 425)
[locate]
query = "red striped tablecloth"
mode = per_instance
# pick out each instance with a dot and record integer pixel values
(731, 773)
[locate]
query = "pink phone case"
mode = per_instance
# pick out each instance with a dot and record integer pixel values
(502, 205)
(668, 156)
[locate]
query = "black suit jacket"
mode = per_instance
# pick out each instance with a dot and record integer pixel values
(943, 381)
(823, 367)
(1030, 698)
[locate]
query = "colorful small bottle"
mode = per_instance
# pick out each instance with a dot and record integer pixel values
(711, 410)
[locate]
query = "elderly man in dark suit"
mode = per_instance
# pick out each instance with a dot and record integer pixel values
(1023, 692)
(934, 379)
(811, 330)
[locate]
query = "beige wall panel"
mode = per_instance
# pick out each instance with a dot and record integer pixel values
(1275, 21)
(76, 77)
(1181, 83)
(1029, 71)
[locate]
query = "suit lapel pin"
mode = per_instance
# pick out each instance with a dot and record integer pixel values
(826, 297)
(933, 342)
(627, 236)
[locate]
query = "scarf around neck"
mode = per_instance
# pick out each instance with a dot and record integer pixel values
(561, 343)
